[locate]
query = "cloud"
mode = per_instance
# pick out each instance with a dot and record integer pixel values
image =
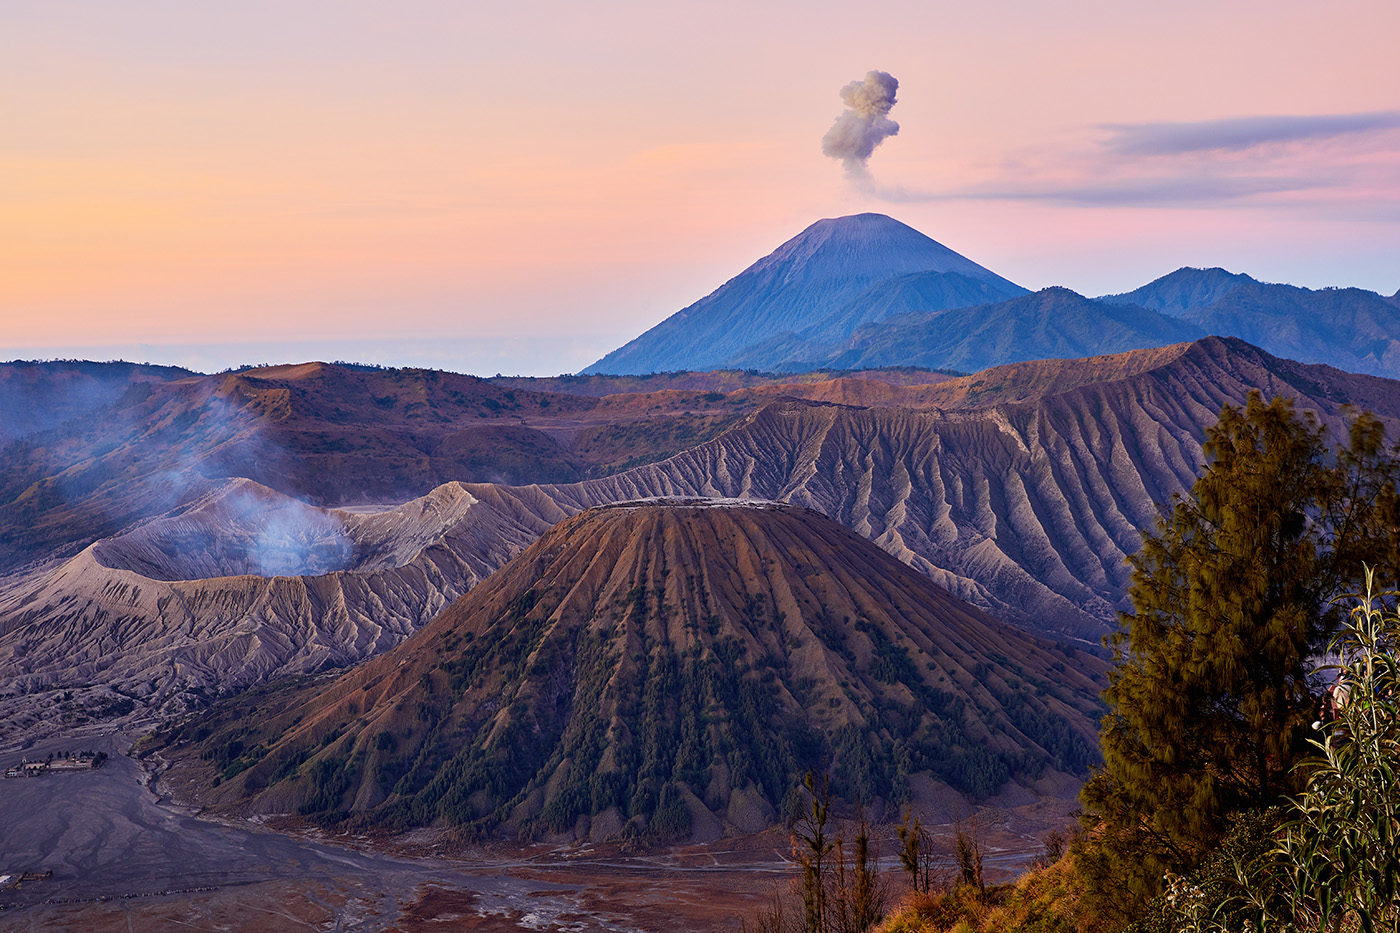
(1239, 133)
(1180, 190)
(1173, 190)
(865, 122)
(1339, 163)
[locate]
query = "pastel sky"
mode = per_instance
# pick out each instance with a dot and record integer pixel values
(522, 186)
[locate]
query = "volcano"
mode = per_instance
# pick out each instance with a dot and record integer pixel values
(813, 288)
(662, 670)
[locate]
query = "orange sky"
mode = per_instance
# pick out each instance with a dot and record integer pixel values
(431, 183)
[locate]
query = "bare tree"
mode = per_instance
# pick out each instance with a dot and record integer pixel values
(970, 858)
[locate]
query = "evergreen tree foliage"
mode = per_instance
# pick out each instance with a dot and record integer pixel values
(1211, 698)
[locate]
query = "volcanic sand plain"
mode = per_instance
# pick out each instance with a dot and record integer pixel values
(124, 857)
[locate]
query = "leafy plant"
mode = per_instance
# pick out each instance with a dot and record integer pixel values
(1333, 863)
(1340, 853)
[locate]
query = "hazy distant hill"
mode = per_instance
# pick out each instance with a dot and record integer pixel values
(820, 285)
(39, 396)
(1182, 291)
(866, 291)
(326, 433)
(1350, 328)
(668, 671)
(1054, 323)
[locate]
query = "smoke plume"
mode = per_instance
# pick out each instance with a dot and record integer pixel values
(864, 124)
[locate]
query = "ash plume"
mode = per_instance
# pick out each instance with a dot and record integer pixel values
(864, 124)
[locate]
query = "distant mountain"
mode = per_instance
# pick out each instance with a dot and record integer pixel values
(39, 396)
(662, 670)
(325, 433)
(1180, 292)
(1054, 323)
(1350, 328)
(820, 285)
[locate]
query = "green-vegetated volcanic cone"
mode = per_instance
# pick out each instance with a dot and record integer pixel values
(664, 670)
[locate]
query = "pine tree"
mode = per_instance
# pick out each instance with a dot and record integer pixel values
(1232, 601)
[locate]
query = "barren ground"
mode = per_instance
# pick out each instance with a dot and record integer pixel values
(124, 858)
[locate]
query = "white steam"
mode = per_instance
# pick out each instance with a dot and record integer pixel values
(864, 124)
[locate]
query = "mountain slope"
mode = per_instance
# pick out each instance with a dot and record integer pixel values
(1054, 323)
(665, 670)
(918, 291)
(1180, 292)
(1350, 328)
(798, 287)
(246, 584)
(327, 434)
(922, 292)
(36, 397)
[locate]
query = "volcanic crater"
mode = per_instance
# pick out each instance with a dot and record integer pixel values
(247, 529)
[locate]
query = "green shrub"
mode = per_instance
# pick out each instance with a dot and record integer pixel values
(1334, 861)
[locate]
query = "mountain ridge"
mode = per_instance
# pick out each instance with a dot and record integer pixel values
(1350, 328)
(1179, 292)
(1053, 323)
(1021, 489)
(796, 288)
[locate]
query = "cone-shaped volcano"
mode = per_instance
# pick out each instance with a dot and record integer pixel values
(667, 670)
(814, 285)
